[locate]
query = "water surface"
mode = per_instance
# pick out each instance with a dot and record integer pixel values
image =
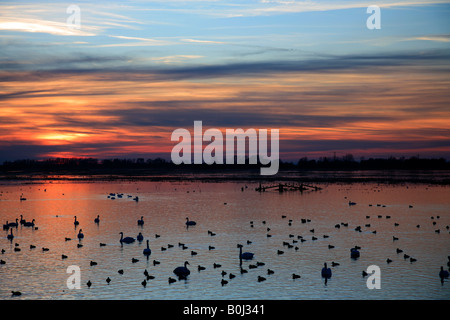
(227, 209)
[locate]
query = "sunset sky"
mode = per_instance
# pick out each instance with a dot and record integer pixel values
(137, 70)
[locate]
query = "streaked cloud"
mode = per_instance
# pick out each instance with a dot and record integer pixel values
(202, 41)
(140, 42)
(136, 71)
(42, 26)
(435, 38)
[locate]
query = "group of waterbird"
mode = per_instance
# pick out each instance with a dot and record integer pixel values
(11, 225)
(113, 196)
(182, 272)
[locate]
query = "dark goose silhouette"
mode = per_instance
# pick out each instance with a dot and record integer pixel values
(141, 221)
(244, 255)
(29, 224)
(14, 224)
(10, 236)
(443, 274)
(147, 251)
(182, 272)
(190, 222)
(126, 239)
(326, 272)
(354, 253)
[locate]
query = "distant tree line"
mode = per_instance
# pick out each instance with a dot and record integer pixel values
(346, 162)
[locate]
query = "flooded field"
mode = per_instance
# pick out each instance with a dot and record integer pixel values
(401, 228)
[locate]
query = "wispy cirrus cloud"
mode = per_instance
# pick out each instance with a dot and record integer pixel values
(434, 38)
(290, 6)
(202, 41)
(136, 42)
(232, 9)
(51, 18)
(143, 68)
(44, 26)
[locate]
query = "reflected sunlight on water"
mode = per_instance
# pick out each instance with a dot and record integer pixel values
(221, 207)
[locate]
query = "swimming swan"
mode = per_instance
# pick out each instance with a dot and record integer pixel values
(182, 272)
(326, 272)
(126, 239)
(147, 251)
(189, 222)
(245, 255)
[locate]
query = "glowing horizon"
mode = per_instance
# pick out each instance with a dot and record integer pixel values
(118, 86)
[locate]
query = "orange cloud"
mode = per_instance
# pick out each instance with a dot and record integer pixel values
(94, 115)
